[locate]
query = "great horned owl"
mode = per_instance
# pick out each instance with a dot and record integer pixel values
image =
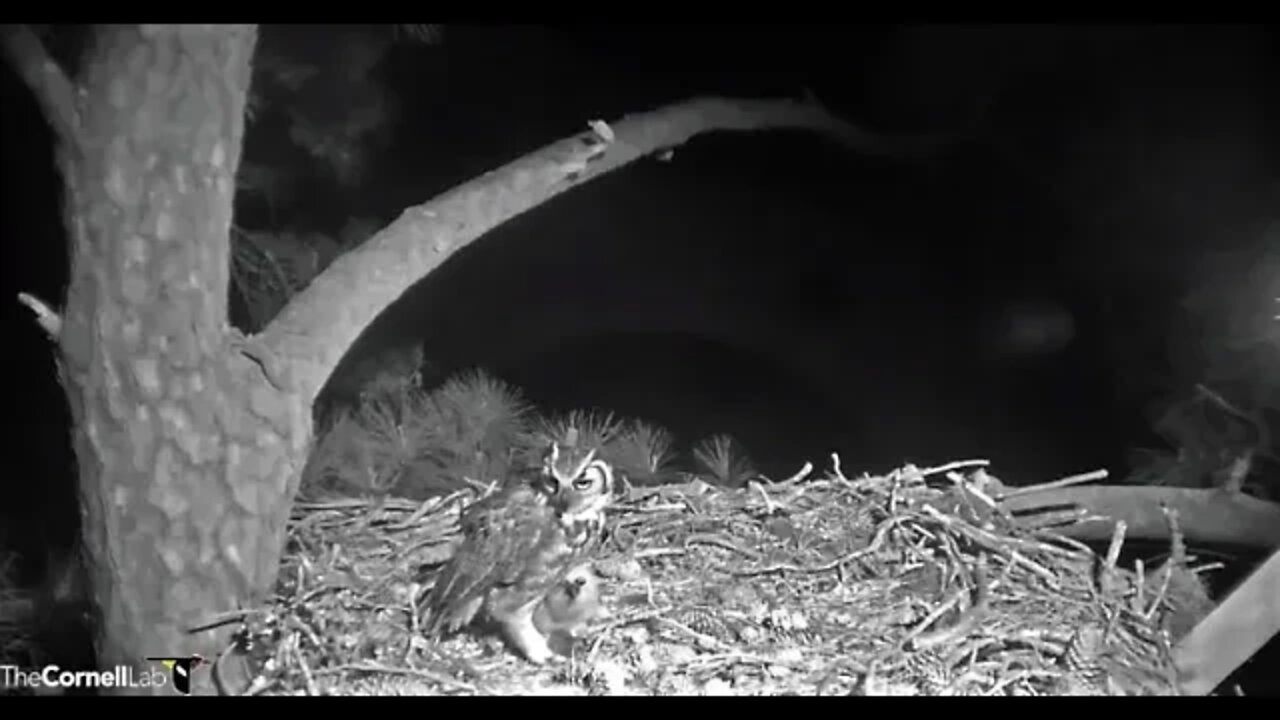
(520, 544)
(568, 607)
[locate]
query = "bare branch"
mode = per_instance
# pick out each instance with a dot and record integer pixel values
(310, 334)
(1210, 516)
(54, 90)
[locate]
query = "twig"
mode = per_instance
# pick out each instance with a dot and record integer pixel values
(1140, 569)
(1041, 520)
(219, 683)
(933, 616)
(309, 680)
(46, 318)
(967, 621)
(427, 506)
(1050, 536)
(1056, 484)
(1167, 572)
(226, 618)
(1117, 542)
(1106, 576)
(957, 465)
(720, 542)
(972, 489)
(769, 506)
(1001, 545)
(373, 667)
(881, 534)
(1217, 399)
(802, 474)
(658, 552)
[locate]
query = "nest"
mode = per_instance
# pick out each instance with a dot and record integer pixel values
(911, 583)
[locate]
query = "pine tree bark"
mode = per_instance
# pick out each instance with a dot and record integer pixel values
(188, 456)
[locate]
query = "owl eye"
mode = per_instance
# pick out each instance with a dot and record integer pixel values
(589, 478)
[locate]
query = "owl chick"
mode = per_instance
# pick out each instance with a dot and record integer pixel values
(569, 606)
(519, 545)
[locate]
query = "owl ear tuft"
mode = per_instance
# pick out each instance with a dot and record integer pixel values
(621, 483)
(584, 463)
(550, 455)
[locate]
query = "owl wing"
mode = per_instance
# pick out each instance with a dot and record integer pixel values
(509, 541)
(541, 566)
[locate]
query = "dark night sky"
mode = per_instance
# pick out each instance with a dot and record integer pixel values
(801, 297)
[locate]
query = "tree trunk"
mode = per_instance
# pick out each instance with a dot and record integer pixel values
(188, 457)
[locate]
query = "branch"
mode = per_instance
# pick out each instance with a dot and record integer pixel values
(310, 335)
(46, 317)
(53, 89)
(1207, 516)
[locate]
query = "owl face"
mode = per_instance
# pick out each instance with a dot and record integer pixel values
(571, 604)
(580, 484)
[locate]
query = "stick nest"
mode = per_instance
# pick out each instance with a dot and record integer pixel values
(915, 582)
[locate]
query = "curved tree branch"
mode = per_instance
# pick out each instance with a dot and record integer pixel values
(54, 90)
(301, 347)
(1208, 516)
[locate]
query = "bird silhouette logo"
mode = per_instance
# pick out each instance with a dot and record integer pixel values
(180, 670)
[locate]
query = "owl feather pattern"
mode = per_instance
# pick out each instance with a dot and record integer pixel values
(518, 545)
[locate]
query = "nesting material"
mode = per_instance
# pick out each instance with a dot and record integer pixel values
(911, 583)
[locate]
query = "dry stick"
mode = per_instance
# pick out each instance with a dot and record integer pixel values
(1117, 542)
(717, 541)
(309, 680)
(835, 467)
(999, 545)
(1107, 573)
(933, 616)
(1048, 535)
(219, 683)
(769, 505)
(424, 508)
(1140, 568)
(372, 667)
(658, 552)
(1054, 485)
(802, 474)
(881, 534)
(956, 465)
(968, 620)
(973, 489)
(1167, 572)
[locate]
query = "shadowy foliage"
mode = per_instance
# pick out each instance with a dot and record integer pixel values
(404, 440)
(645, 454)
(721, 457)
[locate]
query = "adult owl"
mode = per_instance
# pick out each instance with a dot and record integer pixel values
(519, 545)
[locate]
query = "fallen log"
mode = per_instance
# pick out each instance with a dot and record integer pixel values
(1207, 516)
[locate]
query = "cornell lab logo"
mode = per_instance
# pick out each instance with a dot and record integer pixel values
(180, 670)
